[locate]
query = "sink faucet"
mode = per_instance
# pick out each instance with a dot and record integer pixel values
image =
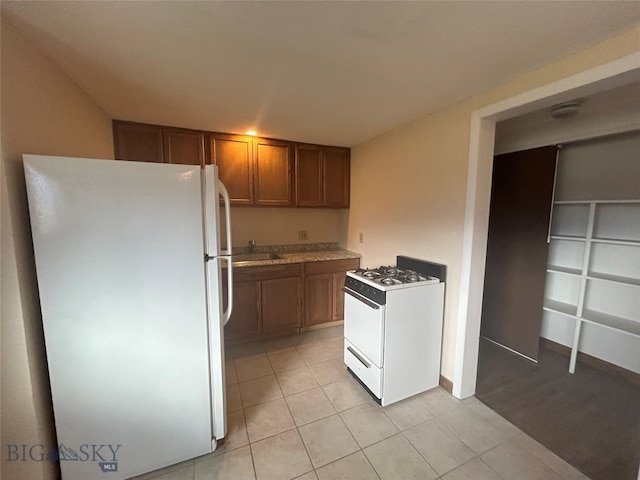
(252, 245)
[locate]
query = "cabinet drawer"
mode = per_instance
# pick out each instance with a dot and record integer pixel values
(331, 266)
(267, 272)
(364, 368)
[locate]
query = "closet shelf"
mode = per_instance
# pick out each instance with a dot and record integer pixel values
(561, 308)
(611, 321)
(594, 276)
(593, 317)
(604, 235)
(571, 238)
(588, 202)
(613, 278)
(611, 241)
(565, 270)
(616, 241)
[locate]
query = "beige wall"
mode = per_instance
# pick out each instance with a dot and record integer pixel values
(280, 226)
(42, 112)
(423, 167)
(408, 196)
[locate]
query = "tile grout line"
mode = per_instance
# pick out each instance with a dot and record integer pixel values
(435, 416)
(339, 414)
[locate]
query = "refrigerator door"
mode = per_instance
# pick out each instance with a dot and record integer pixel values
(119, 257)
(217, 257)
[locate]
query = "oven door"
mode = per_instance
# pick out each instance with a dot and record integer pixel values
(364, 325)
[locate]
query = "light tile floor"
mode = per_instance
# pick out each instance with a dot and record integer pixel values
(294, 412)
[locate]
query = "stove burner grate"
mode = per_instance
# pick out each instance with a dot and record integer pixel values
(370, 273)
(391, 271)
(389, 276)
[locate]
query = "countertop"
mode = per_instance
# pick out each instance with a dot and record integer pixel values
(296, 254)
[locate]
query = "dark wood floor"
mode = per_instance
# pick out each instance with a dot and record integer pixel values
(591, 418)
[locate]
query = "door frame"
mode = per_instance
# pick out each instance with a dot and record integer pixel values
(614, 74)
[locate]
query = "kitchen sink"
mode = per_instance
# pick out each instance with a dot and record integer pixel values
(254, 257)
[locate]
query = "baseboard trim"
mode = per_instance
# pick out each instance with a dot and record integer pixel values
(320, 326)
(591, 361)
(446, 384)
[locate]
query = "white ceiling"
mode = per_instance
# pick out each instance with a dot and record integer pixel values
(335, 73)
(604, 113)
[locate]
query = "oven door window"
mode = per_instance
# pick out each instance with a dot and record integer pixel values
(364, 327)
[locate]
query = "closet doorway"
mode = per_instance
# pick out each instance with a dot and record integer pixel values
(589, 418)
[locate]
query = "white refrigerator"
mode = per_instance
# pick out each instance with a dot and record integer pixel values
(129, 264)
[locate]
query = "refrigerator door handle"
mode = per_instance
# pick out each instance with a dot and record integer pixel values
(227, 313)
(227, 216)
(227, 253)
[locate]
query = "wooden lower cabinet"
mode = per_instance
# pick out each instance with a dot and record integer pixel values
(275, 300)
(323, 295)
(281, 305)
(267, 301)
(245, 318)
(338, 294)
(318, 299)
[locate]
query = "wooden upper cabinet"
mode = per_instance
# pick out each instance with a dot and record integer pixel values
(273, 172)
(336, 177)
(154, 143)
(183, 146)
(322, 176)
(138, 141)
(256, 171)
(309, 175)
(233, 154)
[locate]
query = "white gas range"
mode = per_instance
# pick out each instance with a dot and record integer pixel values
(393, 327)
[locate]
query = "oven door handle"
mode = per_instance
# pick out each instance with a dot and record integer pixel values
(358, 357)
(364, 300)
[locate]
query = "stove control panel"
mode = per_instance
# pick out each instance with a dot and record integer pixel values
(372, 293)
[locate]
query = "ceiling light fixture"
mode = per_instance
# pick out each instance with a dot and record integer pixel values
(565, 110)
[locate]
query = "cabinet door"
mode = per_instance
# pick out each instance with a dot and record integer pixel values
(318, 299)
(138, 142)
(233, 154)
(336, 177)
(245, 317)
(309, 174)
(273, 178)
(281, 304)
(183, 146)
(338, 295)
